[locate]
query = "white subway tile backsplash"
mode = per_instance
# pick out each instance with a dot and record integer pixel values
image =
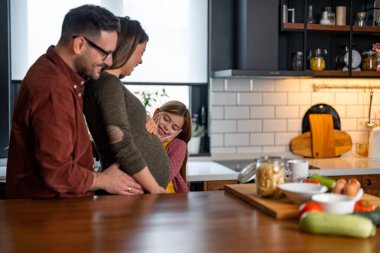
(216, 112)
(275, 98)
(287, 85)
(249, 150)
(223, 126)
(323, 97)
(294, 125)
(251, 116)
(274, 125)
(262, 112)
(284, 138)
(348, 124)
(275, 149)
(262, 85)
(217, 84)
(355, 111)
(261, 139)
(218, 98)
(346, 98)
(217, 140)
(285, 112)
(238, 84)
(246, 126)
(249, 98)
(299, 98)
(236, 112)
(236, 139)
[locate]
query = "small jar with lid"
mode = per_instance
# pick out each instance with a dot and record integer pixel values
(270, 173)
(297, 61)
(317, 59)
(361, 19)
(369, 60)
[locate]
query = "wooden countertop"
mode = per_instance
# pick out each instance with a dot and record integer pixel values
(195, 222)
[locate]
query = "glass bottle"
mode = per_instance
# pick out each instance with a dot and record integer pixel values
(310, 17)
(297, 61)
(361, 19)
(270, 174)
(369, 61)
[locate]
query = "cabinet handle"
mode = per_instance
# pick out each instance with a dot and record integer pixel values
(369, 182)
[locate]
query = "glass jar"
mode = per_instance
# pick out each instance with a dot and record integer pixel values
(361, 19)
(317, 59)
(297, 61)
(270, 173)
(369, 61)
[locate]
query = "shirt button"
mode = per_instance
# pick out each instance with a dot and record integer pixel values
(75, 86)
(81, 83)
(80, 94)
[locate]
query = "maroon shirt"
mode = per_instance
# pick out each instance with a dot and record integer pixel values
(49, 150)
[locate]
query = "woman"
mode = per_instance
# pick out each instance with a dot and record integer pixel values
(116, 118)
(173, 122)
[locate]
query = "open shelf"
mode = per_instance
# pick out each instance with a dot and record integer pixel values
(330, 28)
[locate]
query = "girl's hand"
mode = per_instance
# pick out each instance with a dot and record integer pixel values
(169, 137)
(150, 125)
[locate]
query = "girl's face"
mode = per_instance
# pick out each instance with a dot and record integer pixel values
(135, 60)
(168, 124)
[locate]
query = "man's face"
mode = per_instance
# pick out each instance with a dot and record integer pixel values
(97, 54)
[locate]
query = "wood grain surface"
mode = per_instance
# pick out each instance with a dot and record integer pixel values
(187, 223)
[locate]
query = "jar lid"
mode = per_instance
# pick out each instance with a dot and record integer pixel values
(247, 173)
(361, 14)
(369, 53)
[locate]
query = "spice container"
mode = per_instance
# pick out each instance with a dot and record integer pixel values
(317, 59)
(270, 173)
(369, 61)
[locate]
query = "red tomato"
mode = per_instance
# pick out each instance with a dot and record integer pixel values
(311, 181)
(310, 206)
(363, 206)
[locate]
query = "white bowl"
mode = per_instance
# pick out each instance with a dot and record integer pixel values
(301, 192)
(337, 203)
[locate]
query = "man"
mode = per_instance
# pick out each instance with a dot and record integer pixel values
(50, 154)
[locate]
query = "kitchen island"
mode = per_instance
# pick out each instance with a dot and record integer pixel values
(186, 223)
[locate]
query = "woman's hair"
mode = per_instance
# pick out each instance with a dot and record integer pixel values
(180, 109)
(131, 34)
(88, 20)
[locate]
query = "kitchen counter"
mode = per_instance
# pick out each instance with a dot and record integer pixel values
(205, 169)
(188, 222)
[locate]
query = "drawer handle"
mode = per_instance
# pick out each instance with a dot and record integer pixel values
(369, 182)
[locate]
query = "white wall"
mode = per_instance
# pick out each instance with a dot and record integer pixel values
(263, 115)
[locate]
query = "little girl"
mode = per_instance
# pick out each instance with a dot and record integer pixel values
(173, 122)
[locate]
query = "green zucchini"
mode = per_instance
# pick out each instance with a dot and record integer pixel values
(324, 180)
(374, 216)
(337, 224)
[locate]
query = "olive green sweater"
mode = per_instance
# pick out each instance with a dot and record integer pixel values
(107, 102)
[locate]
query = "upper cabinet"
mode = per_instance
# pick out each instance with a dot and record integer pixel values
(293, 38)
(335, 38)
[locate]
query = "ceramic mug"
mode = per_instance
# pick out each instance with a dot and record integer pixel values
(298, 170)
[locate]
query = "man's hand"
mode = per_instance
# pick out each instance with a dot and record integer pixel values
(116, 181)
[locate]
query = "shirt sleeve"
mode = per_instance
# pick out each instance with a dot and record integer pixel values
(113, 109)
(61, 143)
(177, 151)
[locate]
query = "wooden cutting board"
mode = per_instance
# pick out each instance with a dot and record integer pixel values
(302, 144)
(277, 208)
(322, 135)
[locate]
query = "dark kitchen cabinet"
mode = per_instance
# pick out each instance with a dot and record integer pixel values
(248, 37)
(300, 36)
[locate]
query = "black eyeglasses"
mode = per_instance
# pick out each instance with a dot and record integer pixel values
(106, 54)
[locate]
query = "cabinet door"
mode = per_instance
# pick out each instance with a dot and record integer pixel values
(217, 185)
(371, 184)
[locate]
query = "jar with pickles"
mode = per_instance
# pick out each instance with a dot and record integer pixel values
(317, 59)
(369, 60)
(270, 174)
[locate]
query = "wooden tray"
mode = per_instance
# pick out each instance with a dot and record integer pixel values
(277, 208)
